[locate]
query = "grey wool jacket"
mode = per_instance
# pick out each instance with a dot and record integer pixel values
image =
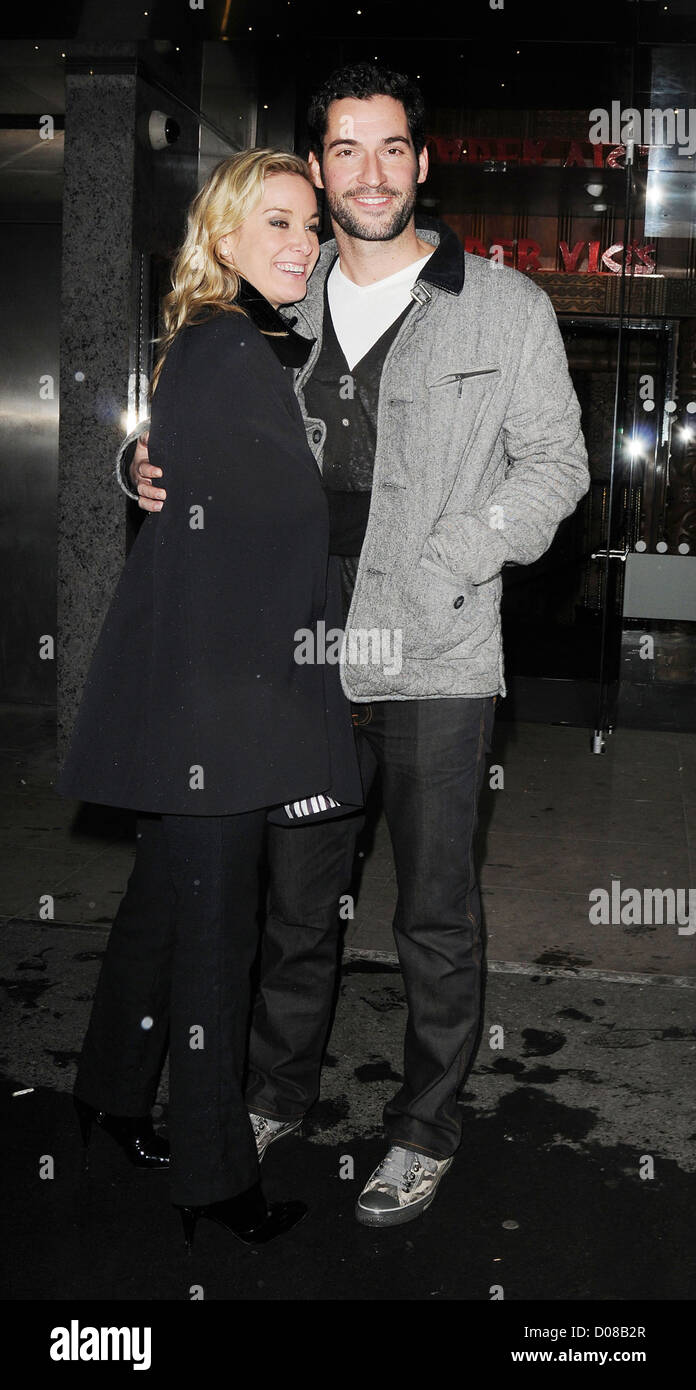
(480, 456)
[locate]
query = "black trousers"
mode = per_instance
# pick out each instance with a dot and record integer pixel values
(432, 757)
(176, 972)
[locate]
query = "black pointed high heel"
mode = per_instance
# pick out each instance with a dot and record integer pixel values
(135, 1135)
(247, 1216)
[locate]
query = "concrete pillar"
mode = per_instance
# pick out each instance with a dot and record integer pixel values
(100, 120)
(124, 202)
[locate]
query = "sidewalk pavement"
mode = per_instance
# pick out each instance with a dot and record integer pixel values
(575, 1179)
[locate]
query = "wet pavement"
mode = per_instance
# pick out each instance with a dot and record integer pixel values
(575, 1179)
(576, 1175)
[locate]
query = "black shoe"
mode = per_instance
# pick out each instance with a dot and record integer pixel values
(135, 1135)
(247, 1216)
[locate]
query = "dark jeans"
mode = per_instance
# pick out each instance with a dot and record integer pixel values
(179, 957)
(432, 757)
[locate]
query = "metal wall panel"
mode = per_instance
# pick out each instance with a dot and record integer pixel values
(29, 339)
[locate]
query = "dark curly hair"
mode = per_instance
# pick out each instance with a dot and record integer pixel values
(362, 80)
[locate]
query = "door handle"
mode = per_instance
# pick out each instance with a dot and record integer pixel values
(613, 555)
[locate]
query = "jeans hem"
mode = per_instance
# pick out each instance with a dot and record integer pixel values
(267, 1114)
(416, 1147)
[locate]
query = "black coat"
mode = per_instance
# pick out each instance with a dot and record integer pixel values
(194, 703)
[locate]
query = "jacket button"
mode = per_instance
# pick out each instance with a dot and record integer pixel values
(459, 601)
(316, 436)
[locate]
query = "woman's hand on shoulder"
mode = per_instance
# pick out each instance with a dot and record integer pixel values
(142, 472)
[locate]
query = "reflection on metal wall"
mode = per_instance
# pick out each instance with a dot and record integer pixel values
(228, 103)
(29, 332)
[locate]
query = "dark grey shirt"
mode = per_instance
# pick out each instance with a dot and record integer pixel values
(347, 401)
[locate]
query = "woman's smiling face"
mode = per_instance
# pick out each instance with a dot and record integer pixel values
(277, 246)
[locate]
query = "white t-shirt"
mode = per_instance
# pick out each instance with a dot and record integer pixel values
(362, 313)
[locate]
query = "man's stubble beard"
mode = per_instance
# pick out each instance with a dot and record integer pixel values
(342, 213)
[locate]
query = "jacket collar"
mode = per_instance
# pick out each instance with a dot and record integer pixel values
(444, 271)
(291, 349)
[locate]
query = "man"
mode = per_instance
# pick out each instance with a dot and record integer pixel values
(439, 407)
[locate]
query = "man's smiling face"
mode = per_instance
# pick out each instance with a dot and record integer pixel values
(369, 167)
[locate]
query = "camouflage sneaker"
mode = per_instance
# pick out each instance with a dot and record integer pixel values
(401, 1187)
(267, 1131)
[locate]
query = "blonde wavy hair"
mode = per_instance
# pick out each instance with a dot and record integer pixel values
(201, 281)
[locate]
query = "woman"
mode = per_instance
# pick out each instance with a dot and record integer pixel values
(202, 631)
